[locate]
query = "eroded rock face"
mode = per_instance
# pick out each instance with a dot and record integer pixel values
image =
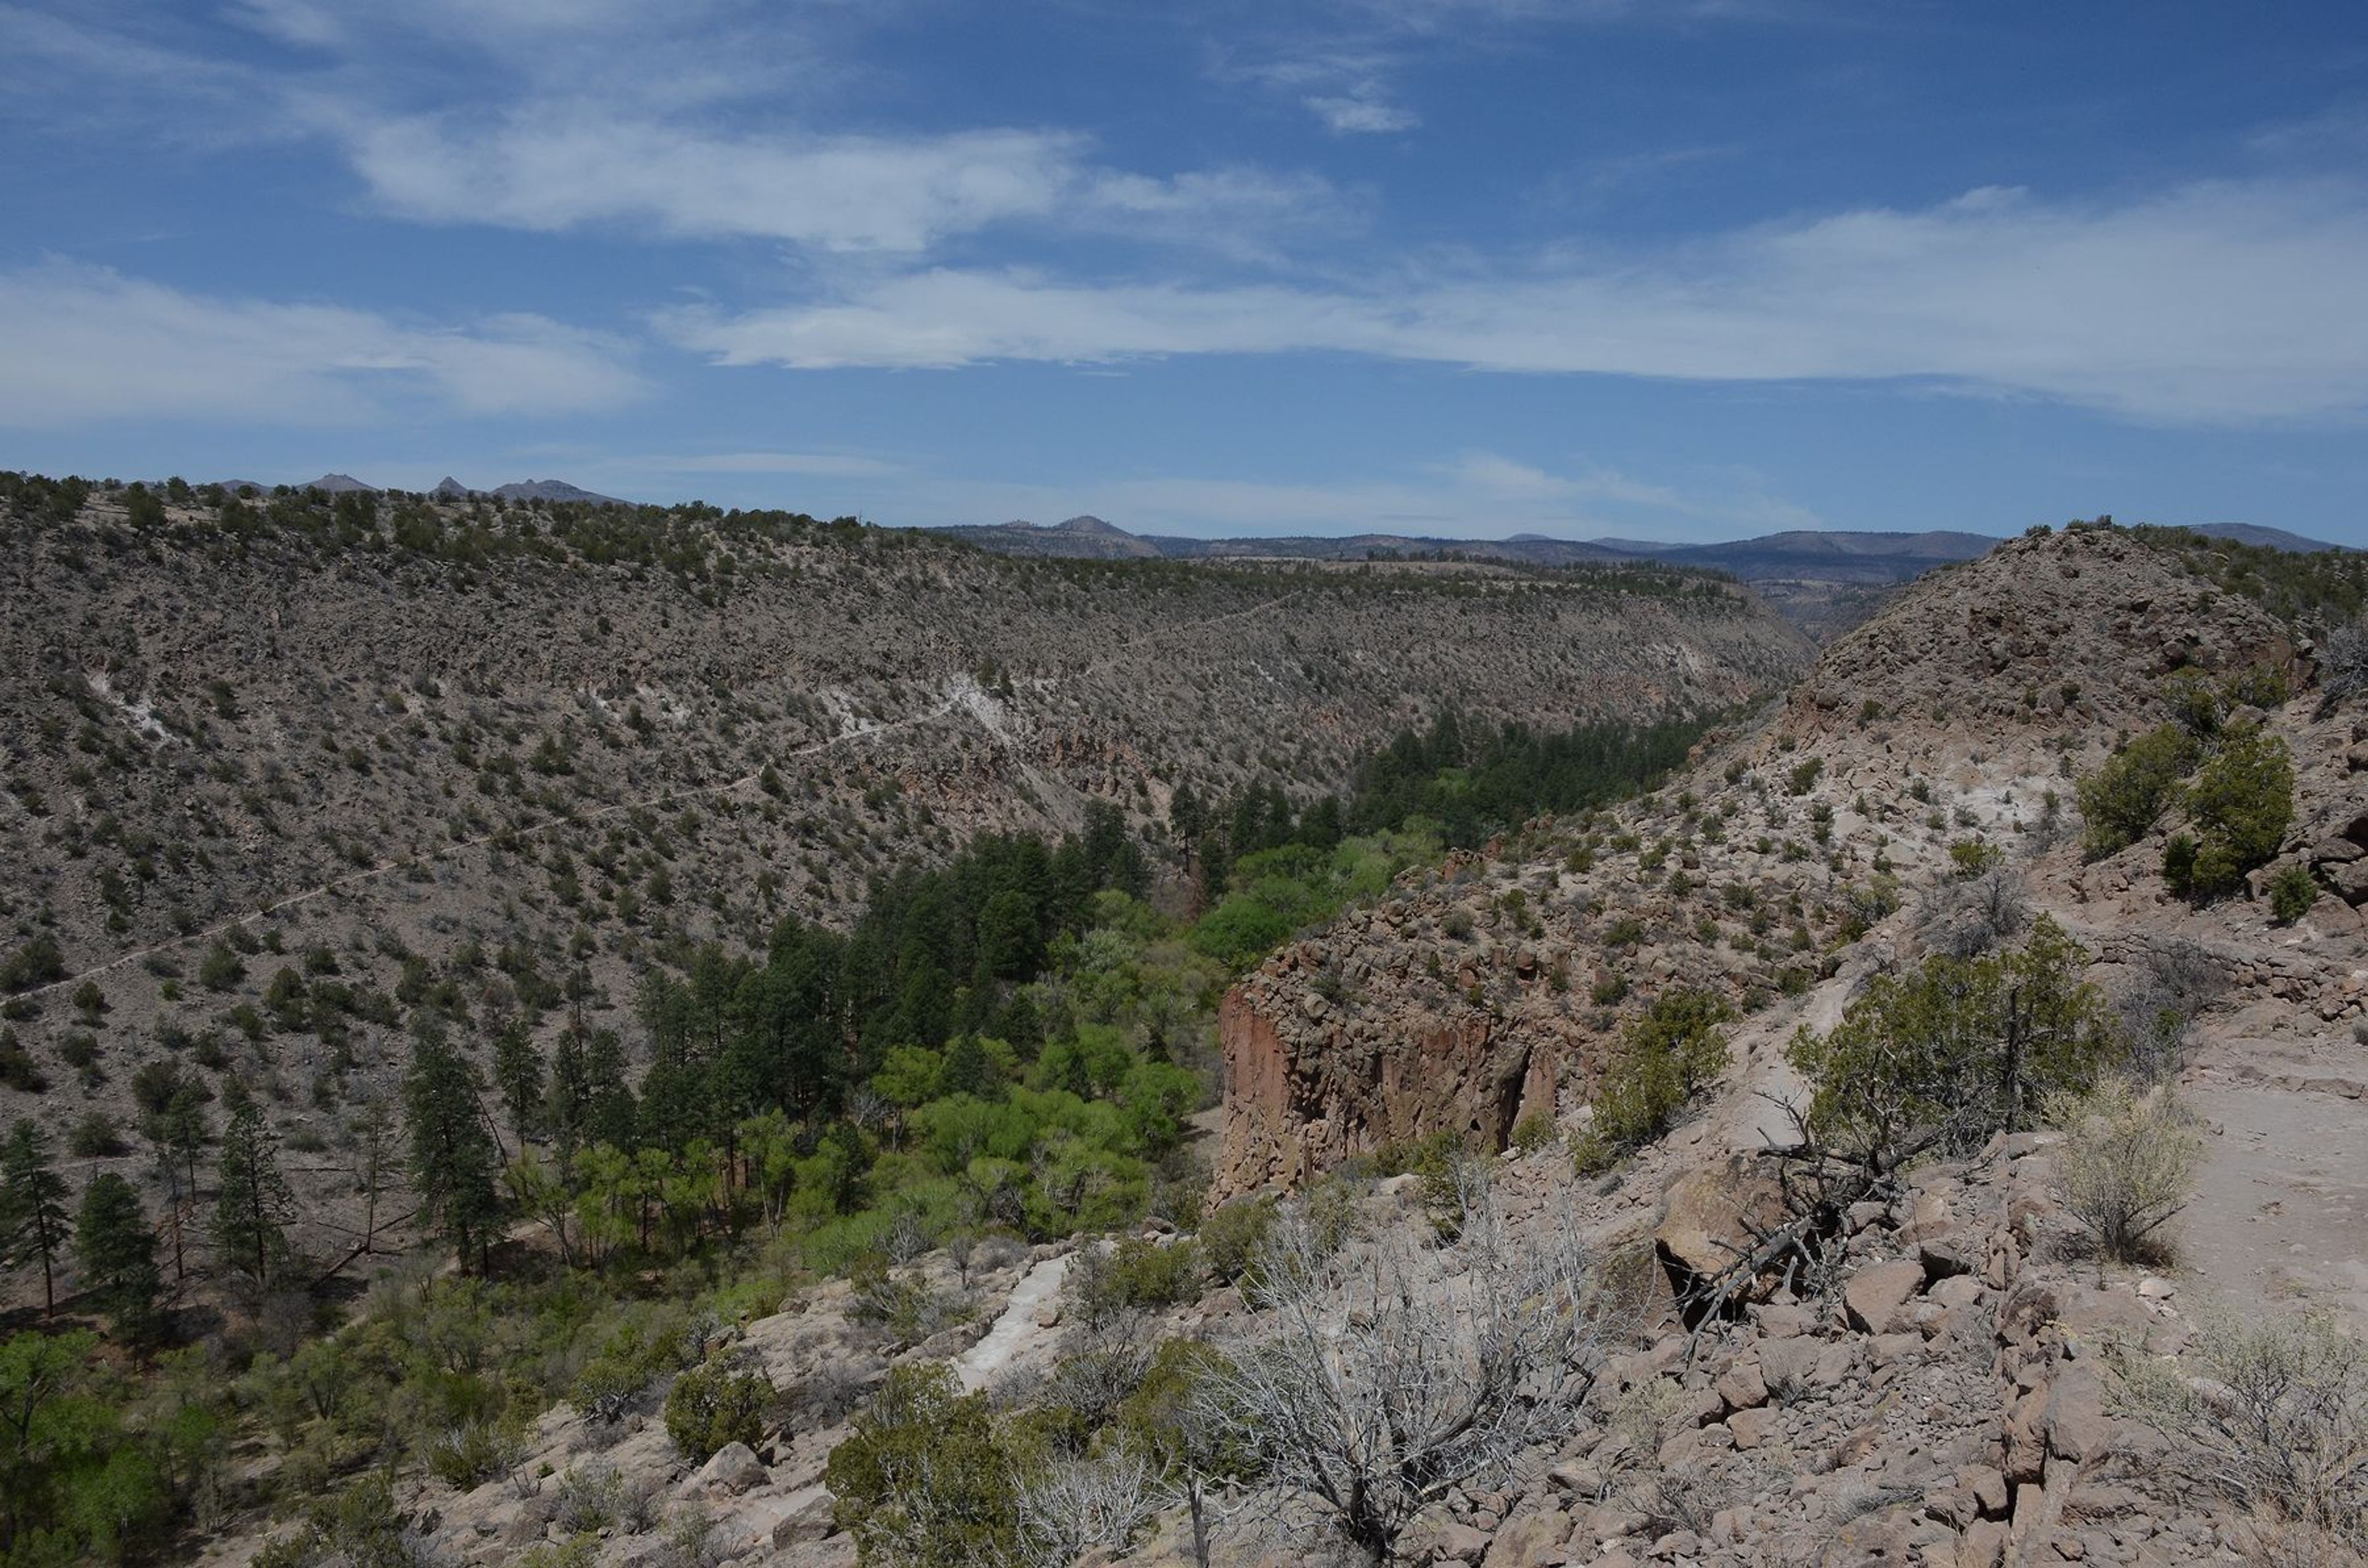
(1297, 1106)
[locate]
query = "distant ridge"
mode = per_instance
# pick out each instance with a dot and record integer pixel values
(2272, 539)
(555, 490)
(1080, 538)
(1834, 557)
(451, 489)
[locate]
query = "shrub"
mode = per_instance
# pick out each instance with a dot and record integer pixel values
(1533, 1132)
(712, 1406)
(2292, 892)
(2276, 1419)
(1135, 1274)
(2242, 803)
(1804, 777)
(2125, 797)
(1231, 1236)
(473, 1452)
(38, 962)
(1663, 1057)
(1966, 919)
(94, 1137)
(589, 1498)
(1970, 857)
(2128, 1160)
(924, 1477)
(18, 1071)
(2259, 685)
(1943, 1056)
(2194, 701)
(220, 970)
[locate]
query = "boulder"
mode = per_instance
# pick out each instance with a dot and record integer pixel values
(810, 1521)
(1532, 1541)
(1753, 1428)
(1456, 1542)
(2074, 1421)
(1743, 1387)
(1875, 1295)
(1702, 1224)
(734, 1470)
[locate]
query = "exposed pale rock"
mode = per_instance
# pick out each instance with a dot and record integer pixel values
(733, 1469)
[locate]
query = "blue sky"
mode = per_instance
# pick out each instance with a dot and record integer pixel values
(1645, 267)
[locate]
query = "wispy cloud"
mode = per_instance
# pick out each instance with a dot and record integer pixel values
(1365, 112)
(79, 344)
(2216, 303)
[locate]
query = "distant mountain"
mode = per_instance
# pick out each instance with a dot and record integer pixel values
(2275, 538)
(338, 485)
(1080, 538)
(553, 490)
(451, 489)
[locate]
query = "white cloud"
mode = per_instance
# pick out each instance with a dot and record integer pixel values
(1363, 113)
(554, 168)
(2217, 302)
(81, 344)
(564, 169)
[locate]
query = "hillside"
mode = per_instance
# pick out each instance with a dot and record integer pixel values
(516, 757)
(1914, 796)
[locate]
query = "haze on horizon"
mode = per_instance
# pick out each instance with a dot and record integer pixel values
(1575, 268)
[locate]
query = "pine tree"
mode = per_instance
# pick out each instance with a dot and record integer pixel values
(452, 1162)
(610, 1114)
(254, 1207)
(118, 1253)
(518, 1072)
(33, 1204)
(568, 1101)
(372, 1145)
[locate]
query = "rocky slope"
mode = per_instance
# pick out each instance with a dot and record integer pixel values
(1492, 990)
(534, 743)
(1940, 1398)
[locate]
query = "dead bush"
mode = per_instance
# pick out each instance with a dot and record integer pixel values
(1966, 919)
(2272, 1415)
(2127, 1165)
